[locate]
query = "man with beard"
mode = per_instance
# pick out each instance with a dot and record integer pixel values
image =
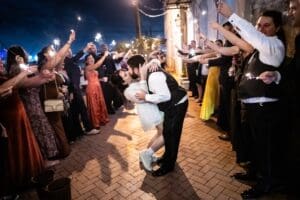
(171, 99)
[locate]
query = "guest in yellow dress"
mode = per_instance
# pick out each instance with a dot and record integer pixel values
(211, 92)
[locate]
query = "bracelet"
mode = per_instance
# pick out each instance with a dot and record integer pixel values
(69, 43)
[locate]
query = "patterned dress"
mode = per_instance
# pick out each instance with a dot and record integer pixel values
(95, 100)
(41, 127)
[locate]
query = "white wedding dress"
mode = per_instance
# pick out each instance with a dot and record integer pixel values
(149, 114)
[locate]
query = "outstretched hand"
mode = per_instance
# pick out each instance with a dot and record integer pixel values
(106, 53)
(31, 69)
(202, 60)
(47, 75)
(72, 36)
(215, 25)
(224, 9)
(140, 95)
(202, 36)
(268, 77)
(5, 91)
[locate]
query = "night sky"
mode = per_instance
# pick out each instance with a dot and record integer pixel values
(35, 23)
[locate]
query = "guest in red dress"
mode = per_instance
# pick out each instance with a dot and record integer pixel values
(95, 100)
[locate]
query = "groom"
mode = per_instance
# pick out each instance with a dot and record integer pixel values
(171, 99)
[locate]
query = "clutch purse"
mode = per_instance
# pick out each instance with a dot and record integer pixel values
(54, 105)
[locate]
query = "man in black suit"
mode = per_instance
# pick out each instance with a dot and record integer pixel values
(77, 106)
(113, 99)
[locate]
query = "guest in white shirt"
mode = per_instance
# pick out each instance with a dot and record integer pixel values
(261, 97)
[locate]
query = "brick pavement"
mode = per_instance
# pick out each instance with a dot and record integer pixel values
(106, 166)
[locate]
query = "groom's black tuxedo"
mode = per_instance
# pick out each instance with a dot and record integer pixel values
(174, 113)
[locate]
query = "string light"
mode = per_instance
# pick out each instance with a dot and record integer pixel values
(152, 16)
(153, 9)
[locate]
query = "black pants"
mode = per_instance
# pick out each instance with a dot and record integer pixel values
(173, 123)
(79, 111)
(192, 76)
(294, 153)
(112, 97)
(268, 140)
(224, 108)
(242, 137)
(72, 130)
(239, 139)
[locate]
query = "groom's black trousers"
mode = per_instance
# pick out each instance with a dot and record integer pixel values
(172, 128)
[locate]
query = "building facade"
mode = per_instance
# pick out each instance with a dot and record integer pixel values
(185, 19)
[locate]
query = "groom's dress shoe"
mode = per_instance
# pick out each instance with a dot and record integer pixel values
(159, 161)
(224, 137)
(252, 193)
(244, 176)
(161, 172)
(256, 191)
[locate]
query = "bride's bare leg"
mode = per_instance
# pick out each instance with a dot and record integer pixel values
(146, 156)
(158, 139)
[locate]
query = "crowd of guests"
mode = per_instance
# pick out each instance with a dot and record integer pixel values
(246, 80)
(250, 87)
(34, 139)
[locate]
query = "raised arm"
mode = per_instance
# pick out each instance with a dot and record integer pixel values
(98, 63)
(191, 60)
(13, 82)
(203, 59)
(79, 54)
(268, 47)
(203, 51)
(39, 79)
(61, 54)
(233, 38)
(127, 55)
(227, 51)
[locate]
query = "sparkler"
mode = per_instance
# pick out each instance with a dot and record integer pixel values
(250, 76)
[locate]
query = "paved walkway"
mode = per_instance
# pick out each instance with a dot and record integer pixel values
(106, 166)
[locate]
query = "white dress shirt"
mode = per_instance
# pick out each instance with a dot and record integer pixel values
(271, 49)
(157, 83)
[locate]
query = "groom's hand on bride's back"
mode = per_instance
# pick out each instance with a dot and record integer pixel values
(140, 95)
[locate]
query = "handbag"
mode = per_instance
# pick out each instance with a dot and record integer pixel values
(53, 105)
